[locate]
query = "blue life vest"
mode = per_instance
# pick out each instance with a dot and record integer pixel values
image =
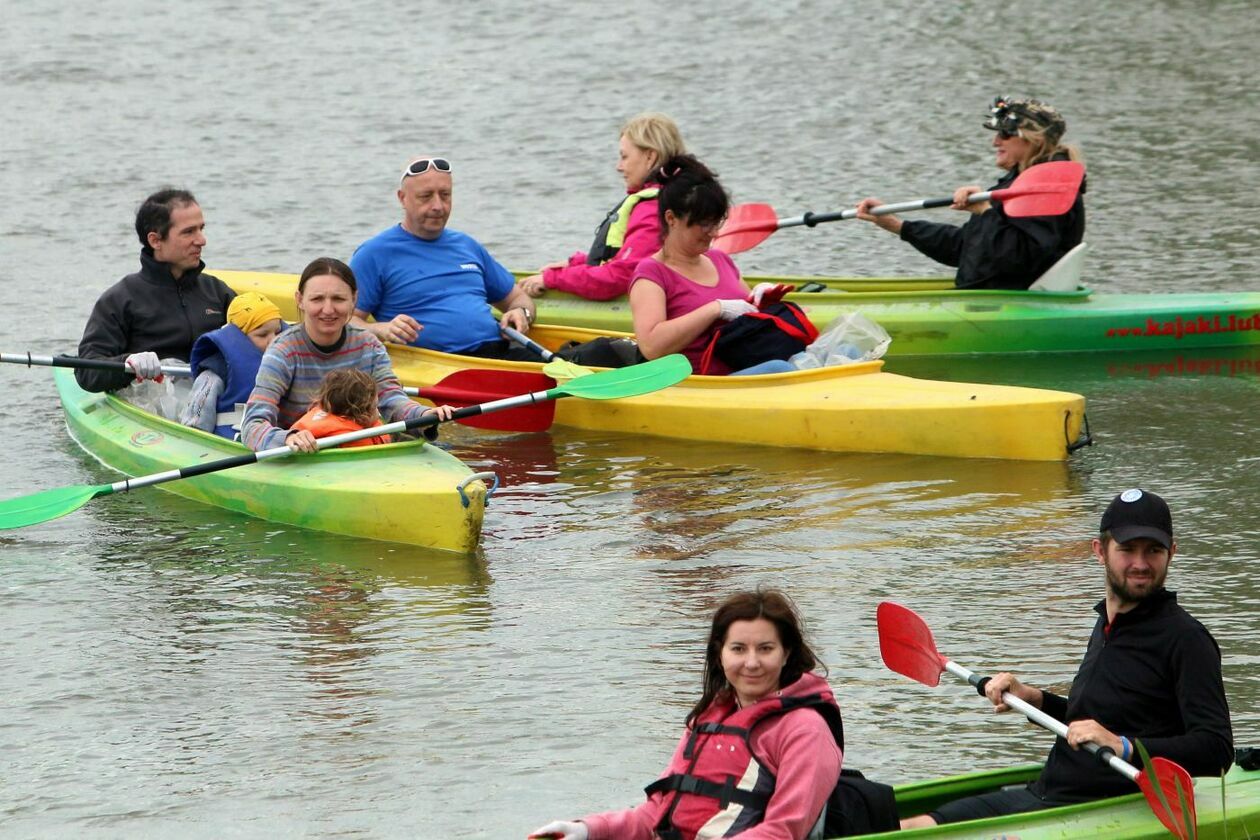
(242, 359)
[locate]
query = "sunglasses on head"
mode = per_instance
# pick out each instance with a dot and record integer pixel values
(423, 165)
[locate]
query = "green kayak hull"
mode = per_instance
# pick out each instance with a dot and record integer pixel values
(1121, 817)
(955, 322)
(928, 317)
(400, 492)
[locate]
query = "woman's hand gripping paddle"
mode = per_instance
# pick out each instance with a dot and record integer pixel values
(1047, 189)
(906, 644)
(459, 389)
(607, 385)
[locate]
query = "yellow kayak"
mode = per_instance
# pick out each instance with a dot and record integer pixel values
(848, 408)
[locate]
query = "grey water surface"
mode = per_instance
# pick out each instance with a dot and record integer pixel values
(168, 669)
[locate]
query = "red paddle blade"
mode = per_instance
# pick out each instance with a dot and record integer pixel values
(475, 386)
(1171, 796)
(747, 226)
(905, 642)
(1047, 189)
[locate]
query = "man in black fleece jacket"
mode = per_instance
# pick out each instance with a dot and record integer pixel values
(1151, 672)
(159, 311)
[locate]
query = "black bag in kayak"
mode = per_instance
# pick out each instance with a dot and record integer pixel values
(779, 331)
(859, 806)
(602, 352)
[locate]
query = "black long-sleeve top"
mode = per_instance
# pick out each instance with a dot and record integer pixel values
(150, 310)
(995, 251)
(1155, 675)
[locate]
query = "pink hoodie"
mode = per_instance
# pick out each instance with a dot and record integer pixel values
(612, 279)
(797, 747)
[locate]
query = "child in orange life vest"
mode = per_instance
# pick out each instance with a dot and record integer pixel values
(346, 403)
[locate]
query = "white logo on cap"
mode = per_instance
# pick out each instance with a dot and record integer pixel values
(1131, 495)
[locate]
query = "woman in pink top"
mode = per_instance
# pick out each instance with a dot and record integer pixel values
(681, 294)
(764, 718)
(632, 230)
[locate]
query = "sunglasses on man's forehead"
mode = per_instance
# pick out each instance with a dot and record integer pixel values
(423, 165)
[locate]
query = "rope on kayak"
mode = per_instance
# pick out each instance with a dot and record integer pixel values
(491, 479)
(1085, 439)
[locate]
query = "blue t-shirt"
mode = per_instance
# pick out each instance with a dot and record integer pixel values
(446, 284)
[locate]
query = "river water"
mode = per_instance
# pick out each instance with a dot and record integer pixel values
(172, 670)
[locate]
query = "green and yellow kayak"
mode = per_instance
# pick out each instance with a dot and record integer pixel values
(928, 317)
(407, 492)
(1128, 817)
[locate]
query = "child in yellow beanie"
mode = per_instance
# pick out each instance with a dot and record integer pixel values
(225, 362)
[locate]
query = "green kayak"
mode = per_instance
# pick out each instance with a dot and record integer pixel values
(401, 492)
(937, 322)
(1120, 817)
(931, 318)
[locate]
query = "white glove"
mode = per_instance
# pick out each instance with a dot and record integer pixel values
(759, 290)
(561, 830)
(732, 309)
(145, 365)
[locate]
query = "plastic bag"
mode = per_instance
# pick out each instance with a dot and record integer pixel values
(165, 398)
(850, 338)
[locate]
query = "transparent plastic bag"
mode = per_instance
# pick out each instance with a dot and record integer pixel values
(165, 398)
(848, 339)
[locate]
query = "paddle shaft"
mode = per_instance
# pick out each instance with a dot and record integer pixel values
(812, 219)
(527, 342)
(32, 360)
(1044, 720)
(334, 440)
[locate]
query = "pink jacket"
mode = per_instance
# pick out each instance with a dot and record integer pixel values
(797, 747)
(612, 279)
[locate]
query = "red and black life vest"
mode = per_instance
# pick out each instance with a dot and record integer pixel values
(726, 788)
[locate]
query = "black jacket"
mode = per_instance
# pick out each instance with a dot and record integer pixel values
(995, 251)
(150, 310)
(1156, 677)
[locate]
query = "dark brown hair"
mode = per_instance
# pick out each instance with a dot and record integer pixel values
(691, 191)
(328, 265)
(350, 393)
(749, 605)
(154, 215)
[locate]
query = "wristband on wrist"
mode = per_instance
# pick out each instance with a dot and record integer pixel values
(1126, 748)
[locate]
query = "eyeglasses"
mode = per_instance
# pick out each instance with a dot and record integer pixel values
(423, 165)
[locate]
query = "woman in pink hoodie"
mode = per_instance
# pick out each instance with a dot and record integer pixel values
(764, 718)
(631, 231)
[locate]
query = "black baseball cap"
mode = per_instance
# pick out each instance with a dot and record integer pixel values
(1138, 513)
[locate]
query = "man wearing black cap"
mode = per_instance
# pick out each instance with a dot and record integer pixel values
(1151, 671)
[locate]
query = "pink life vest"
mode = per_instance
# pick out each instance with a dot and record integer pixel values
(726, 788)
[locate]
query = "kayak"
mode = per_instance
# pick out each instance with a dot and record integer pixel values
(409, 492)
(1119, 817)
(928, 317)
(847, 408)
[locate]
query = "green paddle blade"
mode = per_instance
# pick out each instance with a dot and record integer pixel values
(629, 381)
(50, 504)
(562, 369)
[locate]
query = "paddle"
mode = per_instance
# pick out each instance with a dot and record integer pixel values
(608, 385)
(906, 644)
(1047, 189)
(555, 367)
(461, 388)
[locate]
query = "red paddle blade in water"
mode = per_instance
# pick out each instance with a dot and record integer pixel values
(1047, 189)
(747, 226)
(1170, 796)
(906, 644)
(475, 386)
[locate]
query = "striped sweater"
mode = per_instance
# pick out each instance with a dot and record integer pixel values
(290, 375)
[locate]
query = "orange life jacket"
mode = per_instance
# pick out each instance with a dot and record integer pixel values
(322, 424)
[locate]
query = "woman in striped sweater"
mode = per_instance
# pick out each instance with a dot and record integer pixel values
(295, 365)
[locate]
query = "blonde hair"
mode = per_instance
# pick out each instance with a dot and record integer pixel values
(656, 133)
(349, 393)
(1041, 149)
